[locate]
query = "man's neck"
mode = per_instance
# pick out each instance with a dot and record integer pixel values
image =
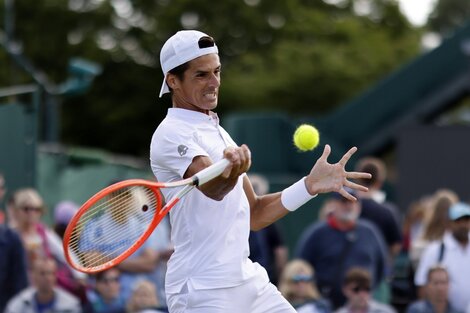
(339, 224)
(358, 308)
(45, 296)
(439, 306)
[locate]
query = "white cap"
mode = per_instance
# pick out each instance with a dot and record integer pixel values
(180, 48)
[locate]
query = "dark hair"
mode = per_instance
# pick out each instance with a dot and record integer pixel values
(100, 275)
(357, 275)
(179, 71)
(375, 167)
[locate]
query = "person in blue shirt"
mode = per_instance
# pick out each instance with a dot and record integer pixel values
(106, 296)
(436, 293)
(13, 273)
(340, 242)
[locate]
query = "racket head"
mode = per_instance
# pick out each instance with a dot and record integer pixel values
(113, 224)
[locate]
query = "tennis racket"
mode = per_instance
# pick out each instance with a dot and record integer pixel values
(116, 221)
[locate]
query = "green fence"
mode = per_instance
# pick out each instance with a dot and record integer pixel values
(18, 136)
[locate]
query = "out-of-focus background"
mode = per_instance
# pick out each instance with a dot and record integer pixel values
(79, 83)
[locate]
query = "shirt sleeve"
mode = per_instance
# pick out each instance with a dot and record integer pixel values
(173, 148)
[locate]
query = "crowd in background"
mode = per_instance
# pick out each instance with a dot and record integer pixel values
(364, 256)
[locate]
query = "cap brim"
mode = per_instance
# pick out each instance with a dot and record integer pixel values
(164, 88)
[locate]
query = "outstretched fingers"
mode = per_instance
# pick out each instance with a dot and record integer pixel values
(325, 154)
(347, 156)
(358, 175)
(355, 186)
(347, 195)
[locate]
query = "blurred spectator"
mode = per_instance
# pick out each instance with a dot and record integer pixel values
(140, 265)
(44, 295)
(63, 213)
(374, 208)
(342, 241)
(414, 221)
(267, 245)
(377, 168)
(161, 243)
(143, 263)
(41, 241)
(144, 299)
(3, 190)
(383, 214)
(357, 289)
(453, 252)
(437, 222)
(105, 296)
(297, 285)
(13, 275)
(436, 293)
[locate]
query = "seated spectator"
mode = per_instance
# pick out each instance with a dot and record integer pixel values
(357, 288)
(63, 213)
(415, 221)
(340, 242)
(436, 222)
(106, 297)
(13, 275)
(384, 214)
(453, 252)
(44, 295)
(161, 243)
(41, 241)
(297, 285)
(436, 294)
(142, 263)
(144, 299)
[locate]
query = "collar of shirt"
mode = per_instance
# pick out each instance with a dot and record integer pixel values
(451, 243)
(192, 115)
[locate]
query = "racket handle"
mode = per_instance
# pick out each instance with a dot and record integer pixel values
(210, 172)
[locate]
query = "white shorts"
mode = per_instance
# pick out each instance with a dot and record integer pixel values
(255, 296)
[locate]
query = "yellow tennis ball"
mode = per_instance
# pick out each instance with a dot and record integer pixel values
(306, 137)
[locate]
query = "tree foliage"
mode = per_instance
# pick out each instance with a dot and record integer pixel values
(299, 56)
(448, 15)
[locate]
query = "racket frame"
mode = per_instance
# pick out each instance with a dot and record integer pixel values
(198, 179)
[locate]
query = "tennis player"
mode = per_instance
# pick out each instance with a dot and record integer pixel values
(209, 270)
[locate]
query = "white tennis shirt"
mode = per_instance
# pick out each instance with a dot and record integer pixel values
(210, 237)
(456, 260)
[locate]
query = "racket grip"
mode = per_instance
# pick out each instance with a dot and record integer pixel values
(211, 172)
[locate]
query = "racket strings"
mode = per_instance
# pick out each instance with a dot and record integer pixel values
(115, 243)
(112, 225)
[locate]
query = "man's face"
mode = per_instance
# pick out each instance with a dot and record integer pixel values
(437, 287)
(108, 286)
(44, 275)
(345, 210)
(358, 295)
(199, 90)
(460, 229)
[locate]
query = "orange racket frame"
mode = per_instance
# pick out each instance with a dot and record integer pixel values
(198, 179)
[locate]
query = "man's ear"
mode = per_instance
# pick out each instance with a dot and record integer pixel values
(171, 81)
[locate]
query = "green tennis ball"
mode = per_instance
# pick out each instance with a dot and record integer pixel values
(306, 137)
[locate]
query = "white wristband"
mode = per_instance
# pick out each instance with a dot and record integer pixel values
(293, 197)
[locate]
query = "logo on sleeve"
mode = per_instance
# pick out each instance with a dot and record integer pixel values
(182, 149)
